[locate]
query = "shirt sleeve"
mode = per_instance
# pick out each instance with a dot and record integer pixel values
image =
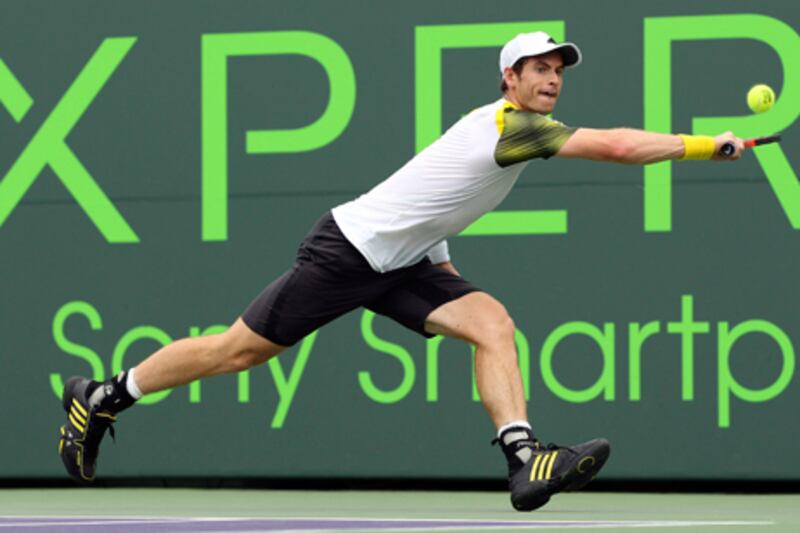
(525, 135)
(439, 253)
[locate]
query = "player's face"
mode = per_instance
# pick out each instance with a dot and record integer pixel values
(537, 87)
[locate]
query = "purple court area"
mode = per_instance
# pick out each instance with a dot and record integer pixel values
(68, 525)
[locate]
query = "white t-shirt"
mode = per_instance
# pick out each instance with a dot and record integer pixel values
(464, 174)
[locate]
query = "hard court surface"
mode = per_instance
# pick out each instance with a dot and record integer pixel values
(222, 510)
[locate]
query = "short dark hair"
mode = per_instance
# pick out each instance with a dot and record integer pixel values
(517, 68)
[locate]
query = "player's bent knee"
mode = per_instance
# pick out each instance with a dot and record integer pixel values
(239, 348)
(239, 357)
(499, 329)
(225, 354)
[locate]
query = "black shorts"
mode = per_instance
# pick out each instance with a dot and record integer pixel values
(330, 277)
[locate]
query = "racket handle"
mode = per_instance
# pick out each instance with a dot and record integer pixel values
(727, 149)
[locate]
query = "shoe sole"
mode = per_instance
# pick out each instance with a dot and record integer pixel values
(531, 504)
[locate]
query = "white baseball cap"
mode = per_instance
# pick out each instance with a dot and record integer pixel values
(536, 44)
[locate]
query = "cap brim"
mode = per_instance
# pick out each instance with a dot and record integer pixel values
(570, 53)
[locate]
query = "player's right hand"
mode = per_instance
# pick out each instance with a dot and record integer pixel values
(727, 137)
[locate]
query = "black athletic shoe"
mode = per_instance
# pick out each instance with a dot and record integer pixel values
(80, 437)
(556, 469)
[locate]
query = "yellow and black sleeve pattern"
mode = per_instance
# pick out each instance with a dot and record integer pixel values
(525, 135)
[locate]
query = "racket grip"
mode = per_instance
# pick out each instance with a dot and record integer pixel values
(727, 149)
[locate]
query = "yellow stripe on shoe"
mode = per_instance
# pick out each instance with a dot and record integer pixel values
(534, 467)
(550, 466)
(74, 412)
(542, 468)
(79, 407)
(80, 427)
(540, 475)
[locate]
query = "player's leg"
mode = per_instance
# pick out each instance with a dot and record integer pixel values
(328, 279)
(535, 472)
(93, 406)
(483, 322)
(432, 300)
(187, 360)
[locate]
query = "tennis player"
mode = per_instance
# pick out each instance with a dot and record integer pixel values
(387, 251)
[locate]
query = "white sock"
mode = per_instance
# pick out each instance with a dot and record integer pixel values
(133, 388)
(524, 453)
(514, 424)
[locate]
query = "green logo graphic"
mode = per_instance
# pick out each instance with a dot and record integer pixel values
(728, 385)
(409, 371)
(605, 341)
(603, 388)
(659, 34)
(286, 386)
(216, 49)
(48, 145)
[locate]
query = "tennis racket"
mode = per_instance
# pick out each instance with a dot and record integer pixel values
(729, 148)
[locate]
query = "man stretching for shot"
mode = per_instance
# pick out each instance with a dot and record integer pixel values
(386, 251)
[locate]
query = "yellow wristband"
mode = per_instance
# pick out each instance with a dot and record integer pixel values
(697, 147)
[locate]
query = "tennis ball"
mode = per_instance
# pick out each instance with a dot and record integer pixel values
(760, 98)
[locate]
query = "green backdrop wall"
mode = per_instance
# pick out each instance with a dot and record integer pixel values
(160, 161)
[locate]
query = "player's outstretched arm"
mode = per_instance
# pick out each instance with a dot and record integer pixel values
(638, 147)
